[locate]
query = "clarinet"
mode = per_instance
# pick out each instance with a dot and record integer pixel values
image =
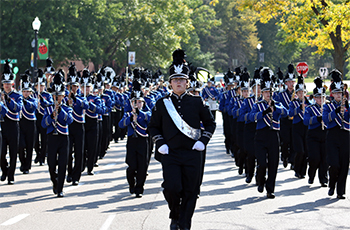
(342, 107)
(271, 106)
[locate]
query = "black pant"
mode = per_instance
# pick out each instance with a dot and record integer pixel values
(299, 145)
(181, 174)
(267, 152)
(137, 160)
(213, 112)
(76, 145)
(287, 140)
(233, 143)
(99, 141)
(40, 146)
(337, 148)
(26, 143)
(57, 154)
(249, 134)
(91, 138)
(116, 116)
(227, 130)
(10, 138)
(242, 154)
(105, 137)
(316, 143)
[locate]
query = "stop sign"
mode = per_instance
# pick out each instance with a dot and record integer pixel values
(302, 66)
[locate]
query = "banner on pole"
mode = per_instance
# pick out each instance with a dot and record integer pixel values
(43, 48)
(131, 58)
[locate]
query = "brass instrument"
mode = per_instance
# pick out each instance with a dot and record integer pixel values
(322, 102)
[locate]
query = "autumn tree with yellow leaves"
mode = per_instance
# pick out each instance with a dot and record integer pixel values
(319, 23)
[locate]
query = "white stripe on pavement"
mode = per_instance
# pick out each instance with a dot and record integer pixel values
(14, 219)
(108, 222)
(110, 165)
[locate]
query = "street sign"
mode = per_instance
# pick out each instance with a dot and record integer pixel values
(12, 61)
(323, 72)
(302, 66)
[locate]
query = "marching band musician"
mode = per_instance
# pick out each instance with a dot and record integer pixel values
(44, 100)
(242, 153)
(336, 118)
(267, 114)
(230, 84)
(27, 124)
(105, 125)
(91, 122)
(136, 121)
(285, 97)
(316, 136)
(210, 95)
(250, 125)
(56, 120)
(78, 103)
(176, 129)
(10, 125)
(296, 110)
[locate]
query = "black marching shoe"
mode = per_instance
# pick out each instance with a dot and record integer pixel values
(270, 195)
(248, 179)
(36, 160)
(138, 195)
(311, 181)
(323, 185)
(69, 179)
(75, 183)
(260, 188)
(331, 192)
(174, 225)
(285, 163)
(131, 190)
(96, 165)
(341, 197)
(3, 176)
(240, 170)
(10, 182)
(54, 189)
(26, 172)
(60, 194)
(90, 173)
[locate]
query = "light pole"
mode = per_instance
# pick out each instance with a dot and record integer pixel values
(36, 26)
(258, 47)
(127, 43)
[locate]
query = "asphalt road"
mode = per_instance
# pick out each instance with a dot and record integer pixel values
(103, 202)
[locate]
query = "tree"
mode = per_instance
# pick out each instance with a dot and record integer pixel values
(318, 23)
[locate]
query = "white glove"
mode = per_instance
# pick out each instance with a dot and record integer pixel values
(199, 146)
(164, 149)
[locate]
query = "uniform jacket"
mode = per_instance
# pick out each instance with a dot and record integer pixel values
(60, 126)
(192, 110)
(14, 106)
(140, 125)
(29, 107)
(332, 119)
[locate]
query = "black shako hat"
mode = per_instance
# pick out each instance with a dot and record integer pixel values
(179, 68)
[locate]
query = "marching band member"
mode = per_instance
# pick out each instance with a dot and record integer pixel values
(91, 121)
(176, 129)
(267, 114)
(316, 136)
(242, 153)
(250, 125)
(296, 110)
(336, 118)
(136, 121)
(285, 97)
(78, 103)
(27, 124)
(10, 125)
(56, 120)
(44, 100)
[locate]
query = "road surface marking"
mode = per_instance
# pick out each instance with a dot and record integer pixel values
(14, 219)
(108, 222)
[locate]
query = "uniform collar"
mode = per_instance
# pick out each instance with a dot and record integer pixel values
(179, 97)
